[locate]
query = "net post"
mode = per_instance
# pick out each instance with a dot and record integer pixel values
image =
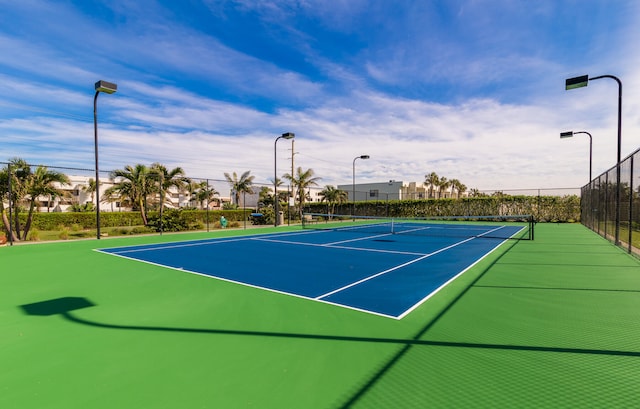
(532, 223)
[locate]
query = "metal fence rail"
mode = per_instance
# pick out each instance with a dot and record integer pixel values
(599, 207)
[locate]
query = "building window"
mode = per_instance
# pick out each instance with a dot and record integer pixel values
(373, 193)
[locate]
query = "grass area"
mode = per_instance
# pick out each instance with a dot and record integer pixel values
(624, 234)
(76, 232)
(73, 233)
(550, 323)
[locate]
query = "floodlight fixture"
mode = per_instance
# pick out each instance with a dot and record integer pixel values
(570, 134)
(106, 87)
(576, 82)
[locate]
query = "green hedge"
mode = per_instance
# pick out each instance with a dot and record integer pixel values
(543, 208)
(87, 220)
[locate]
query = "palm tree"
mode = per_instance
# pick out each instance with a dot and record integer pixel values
(40, 183)
(192, 189)
(265, 196)
(201, 192)
(240, 185)
(443, 184)
(26, 188)
(166, 179)
(461, 189)
(432, 180)
(476, 193)
(15, 176)
(333, 196)
(302, 181)
(282, 196)
(20, 171)
(134, 184)
(458, 186)
(90, 188)
(4, 193)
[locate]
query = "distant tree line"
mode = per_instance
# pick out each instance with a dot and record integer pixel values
(144, 188)
(139, 187)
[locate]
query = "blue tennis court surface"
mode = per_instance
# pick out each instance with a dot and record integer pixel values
(385, 274)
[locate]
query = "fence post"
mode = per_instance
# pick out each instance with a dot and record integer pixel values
(10, 204)
(630, 223)
(207, 211)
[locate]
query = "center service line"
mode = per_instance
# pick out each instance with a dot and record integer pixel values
(401, 265)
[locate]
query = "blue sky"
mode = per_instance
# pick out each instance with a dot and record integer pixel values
(469, 89)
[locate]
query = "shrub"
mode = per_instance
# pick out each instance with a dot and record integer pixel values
(172, 220)
(34, 235)
(119, 231)
(141, 230)
(266, 218)
(77, 207)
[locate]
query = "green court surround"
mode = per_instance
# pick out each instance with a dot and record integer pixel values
(550, 323)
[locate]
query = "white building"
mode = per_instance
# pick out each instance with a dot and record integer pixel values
(77, 192)
(393, 190)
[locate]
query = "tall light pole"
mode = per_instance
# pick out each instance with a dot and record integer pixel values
(287, 135)
(107, 88)
(292, 193)
(354, 180)
(583, 81)
(569, 134)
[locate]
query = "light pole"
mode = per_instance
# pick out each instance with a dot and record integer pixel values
(107, 88)
(287, 135)
(583, 81)
(292, 193)
(354, 180)
(569, 134)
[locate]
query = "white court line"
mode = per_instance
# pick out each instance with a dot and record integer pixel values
(318, 299)
(273, 290)
(201, 242)
(412, 230)
(332, 246)
(358, 239)
(402, 265)
(174, 246)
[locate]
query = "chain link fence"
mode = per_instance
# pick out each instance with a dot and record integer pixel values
(210, 196)
(612, 209)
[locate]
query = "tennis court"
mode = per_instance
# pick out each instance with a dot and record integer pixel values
(381, 266)
(545, 323)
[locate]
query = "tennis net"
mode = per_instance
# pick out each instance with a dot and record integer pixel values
(517, 227)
